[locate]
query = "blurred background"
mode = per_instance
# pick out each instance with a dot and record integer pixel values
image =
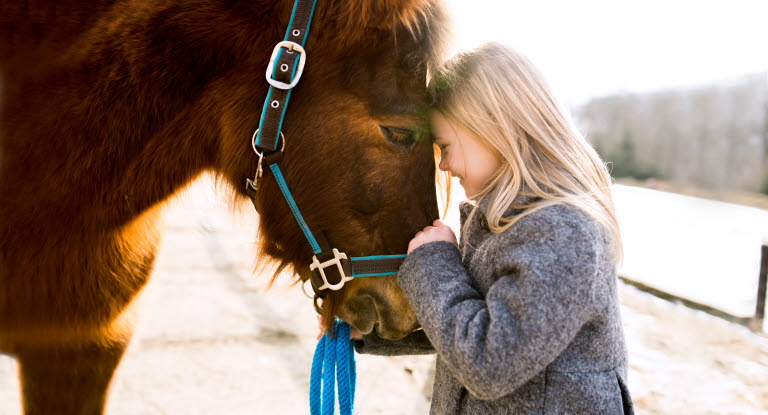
(676, 91)
(672, 94)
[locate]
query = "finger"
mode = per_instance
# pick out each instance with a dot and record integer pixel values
(446, 230)
(437, 223)
(415, 243)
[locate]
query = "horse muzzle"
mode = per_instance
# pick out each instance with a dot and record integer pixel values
(391, 320)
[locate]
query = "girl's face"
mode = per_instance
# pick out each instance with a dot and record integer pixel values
(463, 154)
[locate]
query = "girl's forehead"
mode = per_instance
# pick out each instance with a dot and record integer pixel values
(443, 129)
(439, 124)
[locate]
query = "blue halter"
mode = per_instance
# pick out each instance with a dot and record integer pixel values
(285, 67)
(334, 360)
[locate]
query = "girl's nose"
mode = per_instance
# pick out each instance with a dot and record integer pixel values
(443, 165)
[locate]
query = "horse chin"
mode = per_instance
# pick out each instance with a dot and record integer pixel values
(391, 334)
(383, 333)
(394, 329)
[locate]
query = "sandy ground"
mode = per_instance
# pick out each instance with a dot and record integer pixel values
(698, 249)
(212, 340)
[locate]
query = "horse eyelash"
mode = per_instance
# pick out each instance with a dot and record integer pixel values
(400, 136)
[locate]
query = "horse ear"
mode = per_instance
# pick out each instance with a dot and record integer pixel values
(361, 15)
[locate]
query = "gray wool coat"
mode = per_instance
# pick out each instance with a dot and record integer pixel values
(523, 322)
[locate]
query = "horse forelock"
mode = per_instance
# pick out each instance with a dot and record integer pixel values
(363, 14)
(357, 21)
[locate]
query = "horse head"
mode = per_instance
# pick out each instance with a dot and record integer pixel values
(357, 159)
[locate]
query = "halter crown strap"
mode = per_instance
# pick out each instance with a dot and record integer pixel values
(284, 70)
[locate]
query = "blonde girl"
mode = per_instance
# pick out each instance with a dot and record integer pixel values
(522, 310)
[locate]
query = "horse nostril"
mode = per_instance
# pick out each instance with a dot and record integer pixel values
(372, 309)
(360, 312)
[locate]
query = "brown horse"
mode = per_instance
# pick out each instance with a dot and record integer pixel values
(108, 108)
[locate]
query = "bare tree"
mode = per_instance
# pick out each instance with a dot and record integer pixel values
(714, 136)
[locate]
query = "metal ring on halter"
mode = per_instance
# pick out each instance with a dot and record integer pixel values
(304, 289)
(318, 307)
(252, 185)
(259, 153)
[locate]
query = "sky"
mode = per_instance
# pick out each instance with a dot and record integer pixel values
(590, 48)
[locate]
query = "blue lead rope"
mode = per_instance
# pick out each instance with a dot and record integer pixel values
(333, 364)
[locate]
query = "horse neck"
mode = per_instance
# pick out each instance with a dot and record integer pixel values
(34, 28)
(132, 126)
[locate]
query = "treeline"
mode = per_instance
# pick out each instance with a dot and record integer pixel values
(714, 136)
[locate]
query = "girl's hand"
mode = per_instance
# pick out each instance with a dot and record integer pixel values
(353, 333)
(437, 232)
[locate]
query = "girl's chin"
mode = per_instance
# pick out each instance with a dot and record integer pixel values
(466, 190)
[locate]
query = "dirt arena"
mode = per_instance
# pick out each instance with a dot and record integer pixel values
(212, 340)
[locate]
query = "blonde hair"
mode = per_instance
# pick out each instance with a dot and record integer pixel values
(499, 97)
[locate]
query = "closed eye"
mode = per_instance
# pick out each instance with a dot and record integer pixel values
(400, 136)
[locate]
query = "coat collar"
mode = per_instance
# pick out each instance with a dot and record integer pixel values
(466, 207)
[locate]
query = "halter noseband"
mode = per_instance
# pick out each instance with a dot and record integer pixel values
(283, 72)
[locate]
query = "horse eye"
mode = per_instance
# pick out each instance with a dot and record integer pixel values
(400, 136)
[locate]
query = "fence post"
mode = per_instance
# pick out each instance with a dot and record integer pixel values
(759, 318)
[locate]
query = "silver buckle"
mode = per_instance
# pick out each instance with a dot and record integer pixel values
(337, 257)
(293, 46)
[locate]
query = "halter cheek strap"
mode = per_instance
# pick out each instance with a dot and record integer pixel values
(285, 68)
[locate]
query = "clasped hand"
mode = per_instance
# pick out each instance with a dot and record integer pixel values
(437, 232)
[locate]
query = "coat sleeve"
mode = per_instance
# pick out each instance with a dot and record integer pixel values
(545, 276)
(414, 343)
